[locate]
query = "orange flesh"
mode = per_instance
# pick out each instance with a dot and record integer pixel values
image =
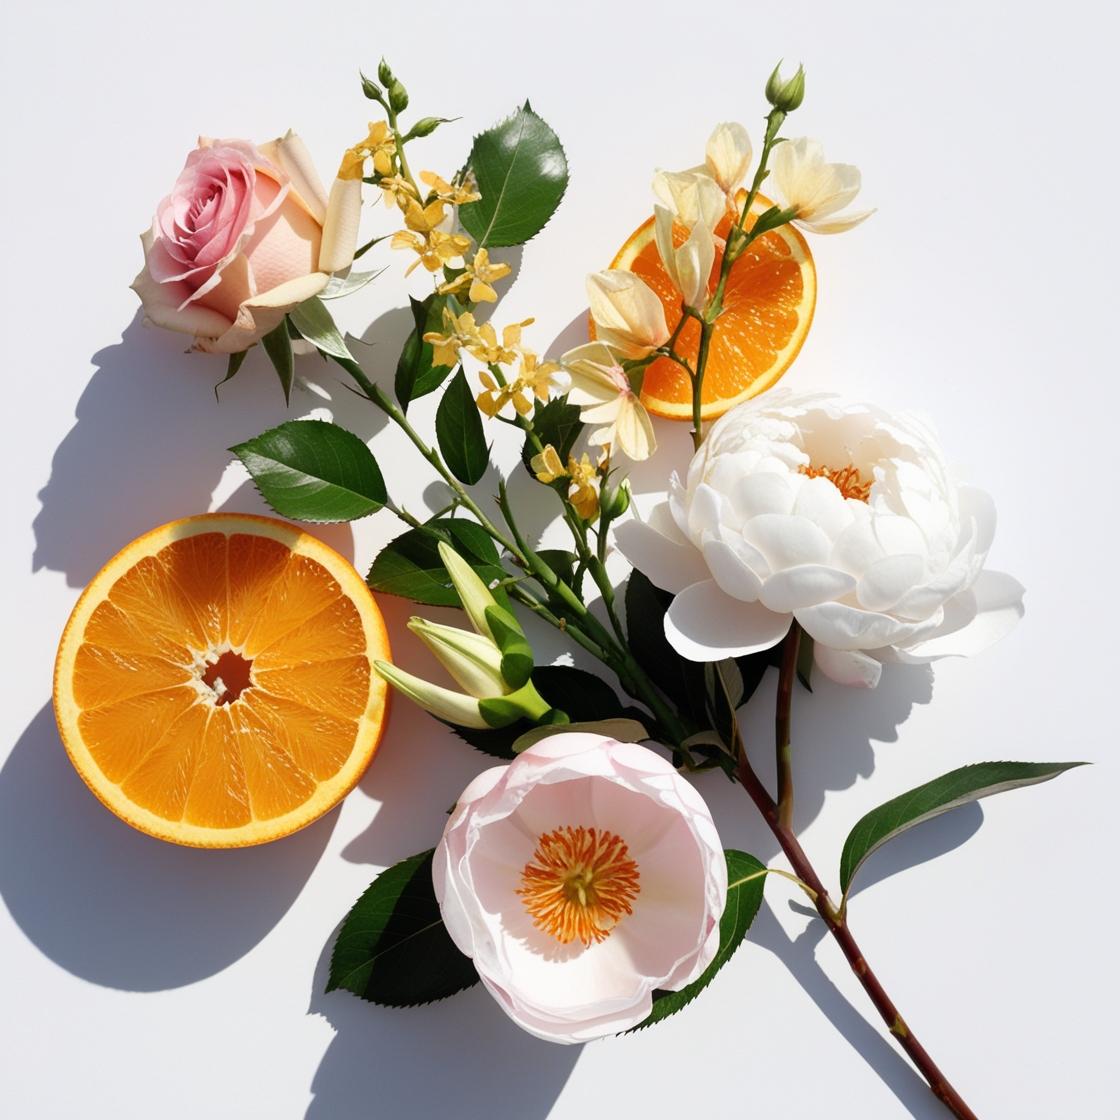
(768, 305)
(157, 730)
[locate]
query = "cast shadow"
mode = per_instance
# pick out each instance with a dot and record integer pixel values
(150, 443)
(122, 909)
(459, 1057)
(868, 1039)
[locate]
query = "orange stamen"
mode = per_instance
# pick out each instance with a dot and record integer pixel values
(579, 884)
(847, 480)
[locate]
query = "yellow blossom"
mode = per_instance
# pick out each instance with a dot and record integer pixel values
(533, 380)
(397, 190)
(547, 465)
(584, 490)
(434, 249)
(485, 347)
(458, 194)
(423, 219)
(380, 146)
(479, 274)
(445, 347)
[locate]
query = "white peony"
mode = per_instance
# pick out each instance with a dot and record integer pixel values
(832, 513)
(581, 878)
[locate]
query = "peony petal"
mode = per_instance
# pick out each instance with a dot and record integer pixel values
(670, 565)
(705, 624)
(731, 570)
(340, 225)
(847, 667)
(974, 620)
(887, 580)
(787, 540)
(844, 627)
(792, 589)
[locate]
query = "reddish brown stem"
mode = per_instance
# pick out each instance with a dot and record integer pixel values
(838, 927)
(787, 673)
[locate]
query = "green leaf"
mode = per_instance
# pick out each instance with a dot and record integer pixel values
(410, 565)
(746, 878)
(805, 660)
(561, 561)
(339, 286)
(315, 323)
(459, 432)
(958, 787)
(556, 422)
(232, 366)
(581, 696)
(417, 375)
(682, 681)
(311, 470)
(278, 346)
(393, 948)
(522, 173)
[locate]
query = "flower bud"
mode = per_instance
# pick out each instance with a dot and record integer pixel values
(472, 659)
(443, 703)
(371, 89)
(473, 593)
(398, 96)
(615, 500)
(425, 126)
(786, 95)
(384, 73)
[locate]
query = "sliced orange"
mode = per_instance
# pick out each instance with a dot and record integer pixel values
(767, 308)
(214, 685)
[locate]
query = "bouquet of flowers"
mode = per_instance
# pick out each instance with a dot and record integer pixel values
(223, 680)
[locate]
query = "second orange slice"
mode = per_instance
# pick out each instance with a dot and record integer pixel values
(214, 685)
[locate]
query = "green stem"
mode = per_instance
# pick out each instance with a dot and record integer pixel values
(401, 157)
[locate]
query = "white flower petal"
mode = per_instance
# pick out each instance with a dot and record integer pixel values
(887, 580)
(668, 564)
(844, 627)
(847, 667)
(705, 624)
(791, 589)
(787, 540)
(974, 620)
(734, 576)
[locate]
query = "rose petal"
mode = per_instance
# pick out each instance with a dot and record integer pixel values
(264, 313)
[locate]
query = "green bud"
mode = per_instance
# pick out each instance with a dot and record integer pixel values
(786, 95)
(398, 96)
(472, 659)
(615, 501)
(524, 703)
(443, 703)
(371, 89)
(473, 593)
(425, 126)
(384, 73)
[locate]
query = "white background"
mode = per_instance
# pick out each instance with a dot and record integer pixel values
(142, 980)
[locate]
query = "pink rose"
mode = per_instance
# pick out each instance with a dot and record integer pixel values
(245, 235)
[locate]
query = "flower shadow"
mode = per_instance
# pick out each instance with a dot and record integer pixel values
(122, 909)
(149, 445)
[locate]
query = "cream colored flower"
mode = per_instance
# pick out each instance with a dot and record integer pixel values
(692, 197)
(480, 275)
(814, 188)
(728, 155)
(605, 397)
(689, 265)
(628, 315)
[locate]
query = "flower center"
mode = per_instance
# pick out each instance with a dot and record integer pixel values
(227, 676)
(579, 884)
(847, 480)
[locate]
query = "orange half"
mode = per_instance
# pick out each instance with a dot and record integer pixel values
(767, 309)
(214, 685)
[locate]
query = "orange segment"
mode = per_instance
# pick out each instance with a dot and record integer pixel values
(768, 306)
(214, 684)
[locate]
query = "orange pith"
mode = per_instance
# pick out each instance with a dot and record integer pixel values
(768, 306)
(214, 684)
